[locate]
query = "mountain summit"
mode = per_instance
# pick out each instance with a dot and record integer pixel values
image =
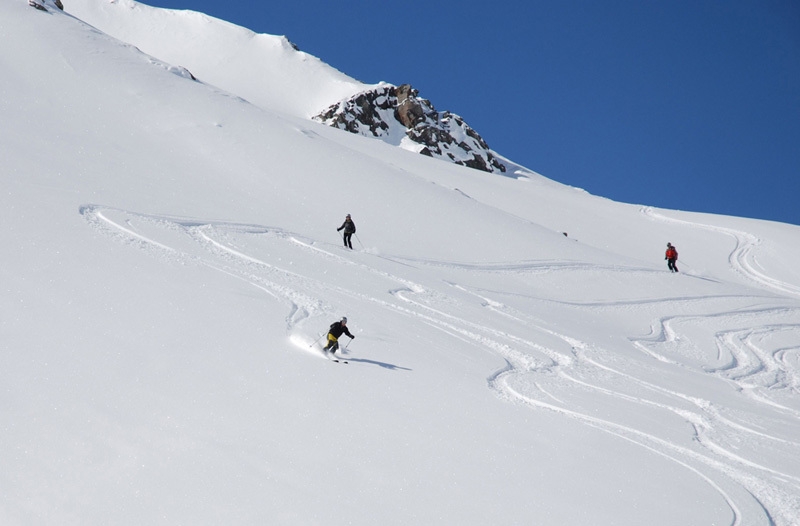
(272, 73)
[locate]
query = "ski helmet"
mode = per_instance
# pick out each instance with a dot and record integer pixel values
(344, 319)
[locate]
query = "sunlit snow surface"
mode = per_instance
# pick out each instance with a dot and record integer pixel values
(172, 265)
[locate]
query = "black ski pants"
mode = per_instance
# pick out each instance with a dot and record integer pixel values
(671, 264)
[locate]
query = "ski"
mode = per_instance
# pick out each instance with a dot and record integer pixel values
(333, 358)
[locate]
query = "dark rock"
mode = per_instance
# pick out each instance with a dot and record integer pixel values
(389, 112)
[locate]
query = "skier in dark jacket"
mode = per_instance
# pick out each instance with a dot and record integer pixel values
(671, 256)
(337, 329)
(349, 229)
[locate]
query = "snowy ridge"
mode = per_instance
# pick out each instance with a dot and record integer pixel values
(272, 73)
(267, 70)
(172, 256)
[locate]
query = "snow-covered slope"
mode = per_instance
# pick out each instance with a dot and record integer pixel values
(171, 257)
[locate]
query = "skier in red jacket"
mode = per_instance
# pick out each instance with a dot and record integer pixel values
(671, 256)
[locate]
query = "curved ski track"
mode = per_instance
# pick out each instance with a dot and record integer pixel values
(742, 258)
(756, 356)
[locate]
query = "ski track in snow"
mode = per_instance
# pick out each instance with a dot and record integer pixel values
(761, 360)
(742, 259)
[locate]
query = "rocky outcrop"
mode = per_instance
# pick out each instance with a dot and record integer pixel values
(41, 7)
(397, 115)
(37, 5)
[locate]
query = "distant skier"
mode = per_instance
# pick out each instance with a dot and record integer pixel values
(349, 229)
(671, 256)
(337, 329)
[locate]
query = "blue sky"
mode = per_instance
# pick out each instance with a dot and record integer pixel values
(689, 105)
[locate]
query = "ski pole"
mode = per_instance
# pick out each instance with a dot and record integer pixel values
(315, 341)
(359, 240)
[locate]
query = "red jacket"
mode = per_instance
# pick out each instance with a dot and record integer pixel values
(672, 253)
